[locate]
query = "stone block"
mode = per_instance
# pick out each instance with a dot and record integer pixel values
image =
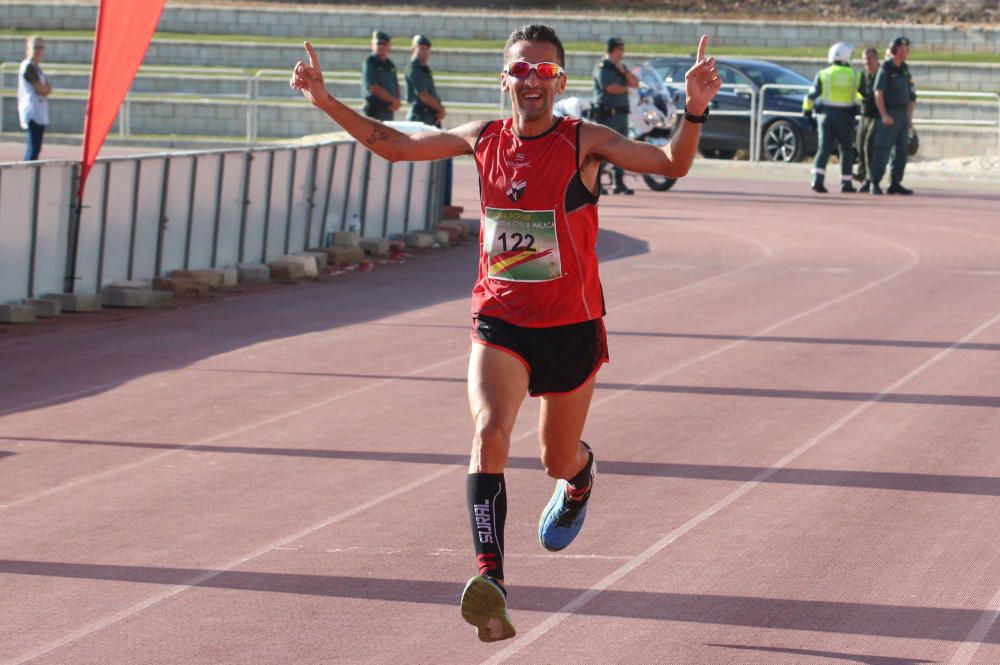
(397, 245)
(253, 273)
(375, 246)
(460, 227)
(349, 255)
(182, 287)
(319, 254)
(304, 267)
(130, 284)
(449, 234)
(307, 262)
(420, 239)
(230, 276)
(76, 302)
(17, 313)
(45, 308)
(120, 296)
(211, 278)
(288, 271)
(346, 239)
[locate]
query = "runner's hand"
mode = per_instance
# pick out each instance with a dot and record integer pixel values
(309, 78)
(702, 81)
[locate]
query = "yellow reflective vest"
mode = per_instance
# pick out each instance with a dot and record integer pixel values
(837, 86)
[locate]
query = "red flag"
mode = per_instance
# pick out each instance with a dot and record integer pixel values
(124, 30)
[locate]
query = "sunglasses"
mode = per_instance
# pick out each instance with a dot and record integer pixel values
(545, 71)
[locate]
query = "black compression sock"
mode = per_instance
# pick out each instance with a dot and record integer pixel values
(487, 500)
(581, 481)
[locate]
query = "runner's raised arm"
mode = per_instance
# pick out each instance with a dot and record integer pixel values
(384, 141)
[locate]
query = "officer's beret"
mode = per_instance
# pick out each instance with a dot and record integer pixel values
(380, 36)
(900, 41)
(421, 40)
(615, 42)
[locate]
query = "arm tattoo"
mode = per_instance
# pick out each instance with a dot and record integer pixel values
(378, 134)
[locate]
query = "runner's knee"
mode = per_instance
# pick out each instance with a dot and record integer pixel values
(560, 462)
(491, 439)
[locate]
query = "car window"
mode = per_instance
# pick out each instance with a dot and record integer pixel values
(773, 74)
(732, 76)
(673, 73)
(650, 77)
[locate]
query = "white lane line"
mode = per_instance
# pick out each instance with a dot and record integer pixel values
(109, 472)
(260, 423)
(979, 632)
(970, 645)
(106, 621)
(98, 625)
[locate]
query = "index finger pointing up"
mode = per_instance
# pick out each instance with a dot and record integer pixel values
(313, 59)
(702, 43)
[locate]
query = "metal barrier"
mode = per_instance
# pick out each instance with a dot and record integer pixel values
(917, 122)
(145, 216)
(250, 96)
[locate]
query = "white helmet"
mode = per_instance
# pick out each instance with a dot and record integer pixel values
(840, 52)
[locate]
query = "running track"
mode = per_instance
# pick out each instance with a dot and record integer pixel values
(797, 442)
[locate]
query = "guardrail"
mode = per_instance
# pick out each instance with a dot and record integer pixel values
(761, 111)
(145, 216)
(250, 94)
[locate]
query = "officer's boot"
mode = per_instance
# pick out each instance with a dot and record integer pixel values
(620, 187)
(846, 186)
(897, 188)
(865, 187)
(817, 183)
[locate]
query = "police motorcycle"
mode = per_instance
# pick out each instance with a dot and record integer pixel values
(647, 121)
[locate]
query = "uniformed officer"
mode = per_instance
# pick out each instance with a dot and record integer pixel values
(895, 97)
(420, 91)
(379, 84)
(834, 94)
(869, 116)
(612, 80)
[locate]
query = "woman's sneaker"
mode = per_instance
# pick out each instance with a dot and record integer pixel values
(563, 517)
(484, 605)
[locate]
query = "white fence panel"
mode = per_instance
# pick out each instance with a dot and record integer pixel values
(147, 217)
(16, 185)
(54, 201)
(227, 243)
(278, 211)
(118, 226)
(175, 232)
(91, 232)
(202, 235)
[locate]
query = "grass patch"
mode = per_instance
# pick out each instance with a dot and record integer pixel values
(402, 52)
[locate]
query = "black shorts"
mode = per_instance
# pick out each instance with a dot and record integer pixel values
(558, 360)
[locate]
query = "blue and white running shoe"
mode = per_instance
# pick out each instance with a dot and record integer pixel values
(563, 517)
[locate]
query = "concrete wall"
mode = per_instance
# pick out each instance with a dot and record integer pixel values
(319, 22)
(937, 76)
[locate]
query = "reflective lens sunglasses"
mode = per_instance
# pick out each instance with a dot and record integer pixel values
(545, 71)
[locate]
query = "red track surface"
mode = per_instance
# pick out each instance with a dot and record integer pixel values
(796, 440)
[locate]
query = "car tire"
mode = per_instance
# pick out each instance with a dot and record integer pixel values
(659, 183)
(782, 142)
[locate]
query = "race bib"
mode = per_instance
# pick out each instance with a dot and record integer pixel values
(521, 245)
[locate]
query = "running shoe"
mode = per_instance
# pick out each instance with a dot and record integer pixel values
(485, 607)
(563, 517)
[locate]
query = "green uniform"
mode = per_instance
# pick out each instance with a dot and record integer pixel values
(611, 110)
(897, 86)
(381, 73)
(834, 94)
(866, 125)
(419, 79)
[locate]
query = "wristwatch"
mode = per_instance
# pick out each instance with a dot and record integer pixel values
(698, 119)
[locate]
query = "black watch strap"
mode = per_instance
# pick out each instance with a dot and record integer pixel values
(698, 119)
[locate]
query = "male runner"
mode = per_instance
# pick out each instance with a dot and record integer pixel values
(537, 305)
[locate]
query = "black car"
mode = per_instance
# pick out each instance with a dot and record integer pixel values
(784, 138)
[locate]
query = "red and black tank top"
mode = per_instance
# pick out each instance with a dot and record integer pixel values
(537, 259)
